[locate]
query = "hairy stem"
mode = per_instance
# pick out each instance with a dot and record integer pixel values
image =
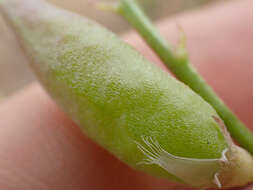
(178, 62)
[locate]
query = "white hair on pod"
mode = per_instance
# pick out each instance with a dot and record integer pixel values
(198, 172)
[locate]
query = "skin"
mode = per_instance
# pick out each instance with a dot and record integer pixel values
(36, 118)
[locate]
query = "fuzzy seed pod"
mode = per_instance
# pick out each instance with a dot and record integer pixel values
(138, 112)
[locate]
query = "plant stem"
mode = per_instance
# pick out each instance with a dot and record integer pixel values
(179, 64)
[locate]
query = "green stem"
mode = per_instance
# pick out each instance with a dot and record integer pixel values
(179, 64)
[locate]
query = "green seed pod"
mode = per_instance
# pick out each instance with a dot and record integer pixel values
(138, 112)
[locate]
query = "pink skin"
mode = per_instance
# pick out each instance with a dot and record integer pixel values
(41, 148)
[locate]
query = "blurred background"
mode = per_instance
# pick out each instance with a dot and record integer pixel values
(14, 73)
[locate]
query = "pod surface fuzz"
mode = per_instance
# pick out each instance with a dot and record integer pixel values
(117, 97)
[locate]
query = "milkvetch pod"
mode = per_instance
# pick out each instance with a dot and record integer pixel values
(135, 110)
